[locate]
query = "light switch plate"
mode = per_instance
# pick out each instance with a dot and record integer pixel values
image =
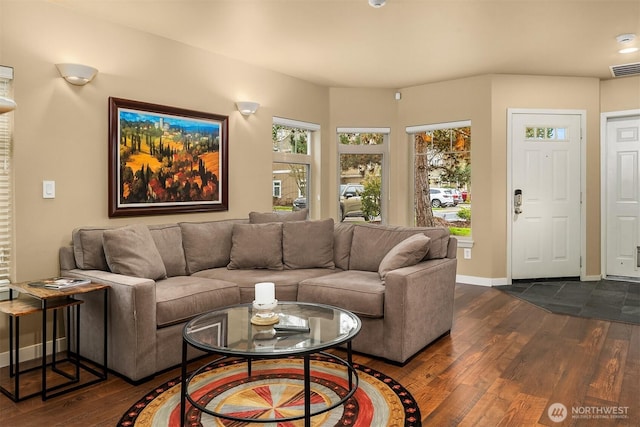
(48, 189)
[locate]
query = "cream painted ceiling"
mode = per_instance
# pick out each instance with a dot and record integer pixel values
(347, 43)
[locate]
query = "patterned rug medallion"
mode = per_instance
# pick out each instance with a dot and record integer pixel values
(276, 390)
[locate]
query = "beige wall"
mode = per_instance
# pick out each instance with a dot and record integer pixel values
(563, 93)
(61, 130)
(620, 94)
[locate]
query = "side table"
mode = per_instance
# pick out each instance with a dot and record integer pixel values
(41, 300)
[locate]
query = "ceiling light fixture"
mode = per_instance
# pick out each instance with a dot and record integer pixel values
(77, 74)
(628, 50)
(626, 40)
(377, 3)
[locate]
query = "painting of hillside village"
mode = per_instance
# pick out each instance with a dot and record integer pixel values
(169, 161)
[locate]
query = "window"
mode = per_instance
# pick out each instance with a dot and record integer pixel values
(362, 173)
(292, 158)
(277, 188)
(6, 134)
(442, 163)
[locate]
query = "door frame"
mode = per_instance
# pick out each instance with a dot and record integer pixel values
(583, 180)
(604, 119)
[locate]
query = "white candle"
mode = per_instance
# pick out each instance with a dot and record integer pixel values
(265, 293)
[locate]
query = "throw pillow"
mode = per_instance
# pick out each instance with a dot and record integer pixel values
(131, 251)
(263, 217)
(256, 246)
(406, 253)
(308, 244)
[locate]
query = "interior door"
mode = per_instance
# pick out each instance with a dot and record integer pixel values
(622, 197)
(545, 195)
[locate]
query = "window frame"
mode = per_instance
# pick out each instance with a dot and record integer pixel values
(7, 249)
(381, 149)
(306, 160)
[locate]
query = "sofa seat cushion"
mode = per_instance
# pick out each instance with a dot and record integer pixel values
(180, 298)
(286, 281)
(361, 292)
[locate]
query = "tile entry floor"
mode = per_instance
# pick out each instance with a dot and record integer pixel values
(604, 299)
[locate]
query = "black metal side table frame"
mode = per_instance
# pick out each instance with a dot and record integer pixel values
(65, 300)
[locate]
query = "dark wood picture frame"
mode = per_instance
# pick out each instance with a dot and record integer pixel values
(166, 160)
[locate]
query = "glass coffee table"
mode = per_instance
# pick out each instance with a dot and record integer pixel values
(308, 329)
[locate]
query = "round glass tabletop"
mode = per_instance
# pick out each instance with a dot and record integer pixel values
(229, 330)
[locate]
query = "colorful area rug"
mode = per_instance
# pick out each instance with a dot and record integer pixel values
(276, 390)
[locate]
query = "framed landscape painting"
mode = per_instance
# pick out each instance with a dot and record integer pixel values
(165, 160)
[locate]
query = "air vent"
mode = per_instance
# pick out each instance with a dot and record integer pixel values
(625, 70)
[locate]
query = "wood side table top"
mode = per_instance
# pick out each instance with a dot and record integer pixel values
(46, 293)
(22, 307)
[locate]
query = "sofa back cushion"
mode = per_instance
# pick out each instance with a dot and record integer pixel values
(342, 237)
(256, 246)
(371, 243)
(307, 244)
(87, 248)
(264, 217)
(168, 240)
(131, 251)
(207, 244)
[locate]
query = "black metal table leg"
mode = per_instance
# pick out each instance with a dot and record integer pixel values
(307, 392)
(183, 387)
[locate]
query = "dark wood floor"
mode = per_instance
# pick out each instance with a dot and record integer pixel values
(505, 362)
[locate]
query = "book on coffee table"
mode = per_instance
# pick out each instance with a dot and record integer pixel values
(59, 282)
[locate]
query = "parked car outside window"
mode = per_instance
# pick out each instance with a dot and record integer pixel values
(351, 200)
(441, 197)
(299, 203)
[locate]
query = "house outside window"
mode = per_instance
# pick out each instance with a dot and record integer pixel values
(292, 159)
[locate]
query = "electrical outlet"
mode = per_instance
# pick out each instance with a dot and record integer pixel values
(467, 253)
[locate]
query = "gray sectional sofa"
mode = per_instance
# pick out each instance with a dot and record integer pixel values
(398, 280)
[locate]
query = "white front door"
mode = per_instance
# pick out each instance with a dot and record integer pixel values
(622, 197)
(545, 195)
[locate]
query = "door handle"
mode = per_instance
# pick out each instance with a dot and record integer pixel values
(517, 201)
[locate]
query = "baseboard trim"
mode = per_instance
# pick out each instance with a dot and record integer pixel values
(33, 352)
(481, 281)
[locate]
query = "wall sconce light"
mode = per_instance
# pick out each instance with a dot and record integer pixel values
(246, 107)
(6, 105)
(77, 74)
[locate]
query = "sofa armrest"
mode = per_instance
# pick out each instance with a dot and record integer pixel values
(131, 322)
(418, 306)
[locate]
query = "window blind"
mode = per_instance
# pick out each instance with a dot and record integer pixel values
(6, 133)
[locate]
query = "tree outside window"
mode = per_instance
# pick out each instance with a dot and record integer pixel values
(443, 165)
